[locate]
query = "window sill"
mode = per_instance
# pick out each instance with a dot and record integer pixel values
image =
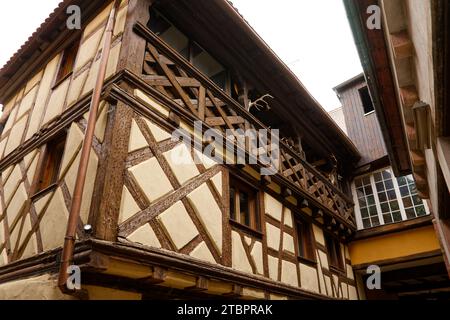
(246, 229)
(310, 262)
(369, 113)
(57, 83)
(44, 191)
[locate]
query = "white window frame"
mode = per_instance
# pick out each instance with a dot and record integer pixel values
(359, 223)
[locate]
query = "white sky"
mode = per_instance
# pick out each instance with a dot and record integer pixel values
(311, 36)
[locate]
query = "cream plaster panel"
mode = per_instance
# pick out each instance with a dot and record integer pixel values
(178, 225)
(353, 295)
(350, 272)
(181, 163)
(239, 257)
(150, 102)
(32, 170)
(308, 278)
(2, 260)
(75, 88)
(277, 297)
(344, 289)
(323, 259)
(113, 60)
(288, 218)
(2, 229)
(11, 184)
(137, 139)
(44, 287)
(273, 267)
(41, 203)
(273, 236)
(202, 252)
(158, 133)
(253, 293)
(6, 172)
(17, 203)
(288, 243)
(328, 285)
(152, 179)
(16, 134)
(335, 280)
(121, 18)
(56, 101)
(10, 121)
(27, 102)
(208, 212)
(88, 49)
(323, 288)
(2, 146)
(27, 159)
(53, 223)
(289, 273)
(102, 120)
(217, 182)
(318, 235)
(347, 253)
(207, 162)
(41, 99)
(273, 207)
(31, 247)
(72, 147)
(257, 255)
(97, 21)
(248, 240)
(70, 179)
(146, 236)
(34, 81)
(128, 207)
(92, 77)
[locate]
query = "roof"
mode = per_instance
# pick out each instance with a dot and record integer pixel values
(348, 82)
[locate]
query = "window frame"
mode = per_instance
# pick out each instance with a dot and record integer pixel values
(359, 222)
(74, 48)
(255, 222)
(55, 146)
(336, 245)
(310, 257)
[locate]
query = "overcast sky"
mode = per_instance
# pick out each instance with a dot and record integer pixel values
(311, 36)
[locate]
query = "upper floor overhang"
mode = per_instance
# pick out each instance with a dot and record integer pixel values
(230, 38)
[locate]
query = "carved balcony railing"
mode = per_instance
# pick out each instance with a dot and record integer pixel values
(174, 77)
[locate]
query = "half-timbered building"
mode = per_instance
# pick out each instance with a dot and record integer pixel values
(101, 104)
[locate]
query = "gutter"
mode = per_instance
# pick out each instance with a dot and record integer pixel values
(69, 240)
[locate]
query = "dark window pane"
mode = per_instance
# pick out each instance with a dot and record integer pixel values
(380, 186)
(364, 213)
(232, 203)
(421, 210)
(407, 202)
(366, 223)
(244, 208)
(368, 190)
(373, 210)
(397, 216)
(384, 207)
(370, 200)
(416, 200)
(362, 202)
(389, 184)
(377, 176)
(375, 221)
(382, 197)
(401, 181)
(410, 214)
(391, 195)
(394, 205)
(366, 181)
(386, 175)
(387, 218)
(366, 100)
(404, 191)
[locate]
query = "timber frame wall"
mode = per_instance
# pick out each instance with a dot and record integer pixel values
(130, 100)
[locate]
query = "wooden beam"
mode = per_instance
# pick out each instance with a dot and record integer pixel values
(401, 44)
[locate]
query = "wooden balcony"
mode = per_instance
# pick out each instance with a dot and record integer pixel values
(174, 79)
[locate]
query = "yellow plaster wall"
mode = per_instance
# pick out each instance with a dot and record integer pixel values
(394, 245)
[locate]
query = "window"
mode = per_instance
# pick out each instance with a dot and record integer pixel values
(243, 204)
(387, 197)
(366, 202)
(381, 199)
(366, 100)
(189, 49)
(334, 251)
(51, 163)
(411, 202)
(67, 62)
(304, 240)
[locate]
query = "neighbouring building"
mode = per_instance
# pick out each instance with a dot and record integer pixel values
(406, 67)
(150, 226)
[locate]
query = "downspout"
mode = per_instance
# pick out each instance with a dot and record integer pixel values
(69, 240)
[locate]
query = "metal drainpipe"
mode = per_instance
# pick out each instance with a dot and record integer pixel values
(69, 240)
